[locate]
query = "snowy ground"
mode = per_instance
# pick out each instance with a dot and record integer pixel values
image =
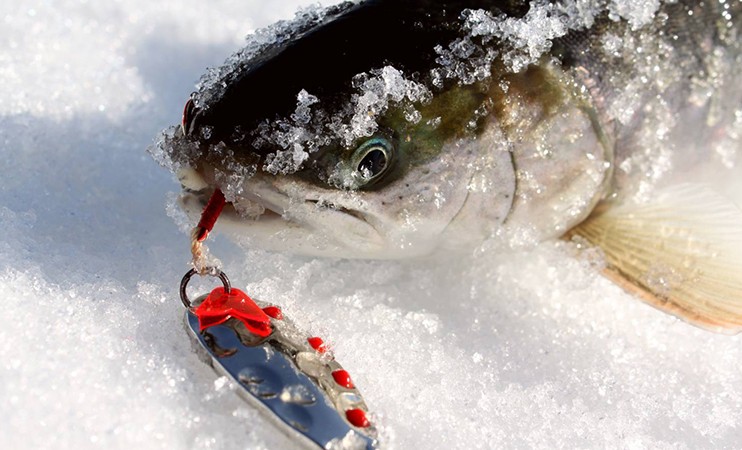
(526, 350)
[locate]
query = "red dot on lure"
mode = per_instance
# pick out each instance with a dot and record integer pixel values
(274, 311)
(317, 344)
(357, 417)
(342, 378)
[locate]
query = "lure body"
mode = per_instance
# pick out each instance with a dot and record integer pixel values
(280, 370)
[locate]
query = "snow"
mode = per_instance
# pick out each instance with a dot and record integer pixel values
(529, 36)
(525, 349)
(305, 130)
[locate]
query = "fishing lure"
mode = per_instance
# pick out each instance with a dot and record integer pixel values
(279, 369)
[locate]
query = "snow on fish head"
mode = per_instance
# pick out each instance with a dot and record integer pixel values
(334, 139)
(418, 181)
(403, 171)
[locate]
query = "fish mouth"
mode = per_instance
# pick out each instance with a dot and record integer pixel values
(276, 214)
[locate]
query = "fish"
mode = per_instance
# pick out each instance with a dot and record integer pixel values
(394, 129)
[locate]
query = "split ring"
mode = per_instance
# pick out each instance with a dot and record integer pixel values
(187, 277)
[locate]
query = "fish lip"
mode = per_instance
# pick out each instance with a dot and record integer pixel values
(323, 204)
(324, 214)
(313, 212)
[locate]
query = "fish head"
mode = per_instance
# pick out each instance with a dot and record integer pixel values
(343, 138)
(405, 189)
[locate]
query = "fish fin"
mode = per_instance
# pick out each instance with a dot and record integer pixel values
(682, 254)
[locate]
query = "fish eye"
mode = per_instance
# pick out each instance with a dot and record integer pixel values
(373, 158)
(373, 163)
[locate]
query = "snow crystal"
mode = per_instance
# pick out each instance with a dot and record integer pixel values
(530, 36)
(527, 38)
(307, 129)
(637, 12)
(529, 348)
(463, 60)
(304, 102)
(377, 91)
(295, 136)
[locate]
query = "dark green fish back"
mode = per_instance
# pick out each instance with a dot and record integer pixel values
(323, 59)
